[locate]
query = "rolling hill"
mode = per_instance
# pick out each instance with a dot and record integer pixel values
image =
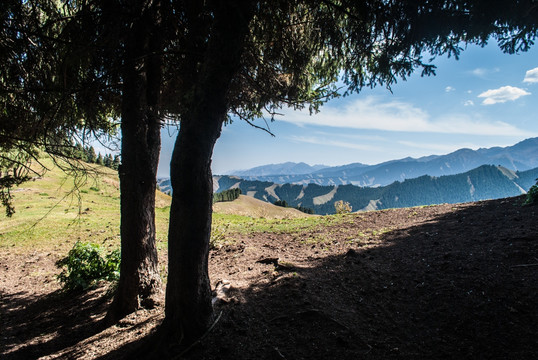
(249, 206)
(61, 208)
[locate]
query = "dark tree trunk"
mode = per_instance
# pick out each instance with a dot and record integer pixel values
(188, 295)
(139, 282)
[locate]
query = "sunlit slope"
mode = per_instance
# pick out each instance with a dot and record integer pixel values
(249, 206)
(60, 208)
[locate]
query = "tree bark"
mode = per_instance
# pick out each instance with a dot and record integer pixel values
(139, 283)
(189, 312)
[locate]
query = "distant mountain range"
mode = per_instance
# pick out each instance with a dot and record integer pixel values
(461, 176)
(484, 182)
(287, 168)
(519, 157)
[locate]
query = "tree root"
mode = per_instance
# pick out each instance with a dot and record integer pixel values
(184, 352)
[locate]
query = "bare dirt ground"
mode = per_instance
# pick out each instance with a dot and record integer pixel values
(441, 282)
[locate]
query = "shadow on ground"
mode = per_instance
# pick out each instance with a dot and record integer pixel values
(462, 284)
(33, 327)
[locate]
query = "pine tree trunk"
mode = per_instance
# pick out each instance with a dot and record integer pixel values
(139, 283)
(189, 312)
(188, 296)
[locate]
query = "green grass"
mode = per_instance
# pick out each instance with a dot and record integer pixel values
(55, 211)
(246, 225)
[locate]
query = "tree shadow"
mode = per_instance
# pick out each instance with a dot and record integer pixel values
(456, 285)
(36, 326)
(460, 285)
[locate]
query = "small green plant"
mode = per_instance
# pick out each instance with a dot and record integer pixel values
(85, 264)
(342, 207)
(218, 235)
(532, 195)
(94, 188)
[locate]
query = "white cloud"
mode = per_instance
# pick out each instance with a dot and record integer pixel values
(368, 113)
(468, 103)
(444, 147)
(531, 76)
(326, 141)
(481, 72)
(502, 95)
(435, 147)
(465, 124)
(449, 89)
(371, 113)
(351, 136)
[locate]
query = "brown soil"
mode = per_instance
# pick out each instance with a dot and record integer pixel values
(442, 282)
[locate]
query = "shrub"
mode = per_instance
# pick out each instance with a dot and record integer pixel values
(85, 264)
(532, 195)
(342, 207)
(218, 235)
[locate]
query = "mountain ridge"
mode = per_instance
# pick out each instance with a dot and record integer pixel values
(519, 157)
(481, 183)
(286, 168)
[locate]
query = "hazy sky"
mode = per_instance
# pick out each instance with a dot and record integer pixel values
(484, 99)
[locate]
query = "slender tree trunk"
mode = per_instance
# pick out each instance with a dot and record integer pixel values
(139, 281)
(188, 295)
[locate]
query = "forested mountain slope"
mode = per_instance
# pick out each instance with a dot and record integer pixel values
(484, 182)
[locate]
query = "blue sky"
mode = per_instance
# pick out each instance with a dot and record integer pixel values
(484, 99)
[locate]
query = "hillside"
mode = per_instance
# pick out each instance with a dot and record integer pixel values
(249, 206)
(519, 157)
(485, 182)
(60, 208)
(437, 282)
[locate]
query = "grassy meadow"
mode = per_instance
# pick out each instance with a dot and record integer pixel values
(58, 209)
